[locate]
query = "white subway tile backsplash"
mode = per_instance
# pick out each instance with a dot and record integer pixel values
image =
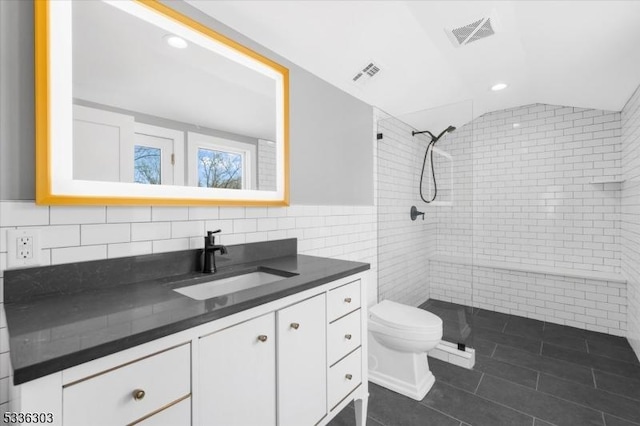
(203, 213)
(245, 225)
(255, 212)
(64, 215)
(230, 239)
(150, 231)
(277, 211)
(78, 254)
(104, 234)
(232, 213)
(117, 214)
(22, 213)
(164, 214)
(4, 365)
(271, 224)
(225, 226)
(255, 237)
(129, 249)
(191, 228)
(4, 340)
(3, 239)
(60, 236)
(161, 246)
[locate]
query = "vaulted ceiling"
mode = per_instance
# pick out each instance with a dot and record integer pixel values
(575, 53)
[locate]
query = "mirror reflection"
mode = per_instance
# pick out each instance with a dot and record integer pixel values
(152, 108)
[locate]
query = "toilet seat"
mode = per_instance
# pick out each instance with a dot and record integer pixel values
(405, 318)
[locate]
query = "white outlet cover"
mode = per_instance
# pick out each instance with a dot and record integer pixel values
(13, 236)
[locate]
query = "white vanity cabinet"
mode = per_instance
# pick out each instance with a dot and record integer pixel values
(302, 362)
(238, 369)
(237, 375)
(132, 393)
(294, 361)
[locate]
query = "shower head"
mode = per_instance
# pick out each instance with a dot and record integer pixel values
(434, 138)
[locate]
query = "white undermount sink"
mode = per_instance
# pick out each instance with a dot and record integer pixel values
(220, 287)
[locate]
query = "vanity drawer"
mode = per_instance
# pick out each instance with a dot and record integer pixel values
(178, 414)
(109, 397)
(343, 336)
(344, 377)
(343, 300)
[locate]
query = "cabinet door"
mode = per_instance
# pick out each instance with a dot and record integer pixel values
(237, 384)
(302, 363)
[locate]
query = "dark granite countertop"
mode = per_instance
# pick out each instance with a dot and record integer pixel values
(53, 330)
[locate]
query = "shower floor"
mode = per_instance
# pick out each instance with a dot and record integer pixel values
(527, 372)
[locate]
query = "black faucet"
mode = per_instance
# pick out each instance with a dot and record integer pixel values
(210, 249)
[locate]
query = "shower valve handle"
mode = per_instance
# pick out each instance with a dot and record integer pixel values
(415, 213)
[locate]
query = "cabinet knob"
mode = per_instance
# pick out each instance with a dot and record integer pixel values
(347, 299)
(262, 338)
(347, 336)
(348, 376)
(138, 394)
(295, 325)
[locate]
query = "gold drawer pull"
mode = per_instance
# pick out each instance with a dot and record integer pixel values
(347, 336)
(347, 299)
(295, 325)
(348, 376)
(262, 338)
(138, 394)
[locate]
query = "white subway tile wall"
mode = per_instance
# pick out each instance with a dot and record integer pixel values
(266, 165)
(75, 234)
(597, 305)
(403, 245)
(531, 188)
(630, 232)
(543, 193)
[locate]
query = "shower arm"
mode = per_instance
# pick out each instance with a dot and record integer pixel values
(433, 138)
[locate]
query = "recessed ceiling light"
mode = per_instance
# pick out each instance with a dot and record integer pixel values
(498, 86)
(175, 41)
(516, 125)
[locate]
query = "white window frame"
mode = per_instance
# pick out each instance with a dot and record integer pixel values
(177, 138)
(195, 141)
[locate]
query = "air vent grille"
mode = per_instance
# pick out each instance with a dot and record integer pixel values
(474, 31)
(484, 30)
(366, 73)
(463, 33)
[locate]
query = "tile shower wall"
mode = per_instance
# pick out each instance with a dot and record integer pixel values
(403, 245)
(536, 197)
(630, 233)
(544, 193)
(266, 165)
(72, 234)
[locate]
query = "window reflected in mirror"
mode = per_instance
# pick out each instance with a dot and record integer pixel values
(220, 169)
(147, 167)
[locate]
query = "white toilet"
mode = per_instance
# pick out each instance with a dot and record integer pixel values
(399, 338)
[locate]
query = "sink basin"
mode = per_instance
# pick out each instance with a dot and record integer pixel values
(222, 286)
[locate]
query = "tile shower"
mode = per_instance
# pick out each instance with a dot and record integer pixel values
(534, 229)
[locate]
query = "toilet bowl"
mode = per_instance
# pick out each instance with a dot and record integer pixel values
(399, 338)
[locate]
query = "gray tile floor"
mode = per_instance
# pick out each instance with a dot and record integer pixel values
(527, 372)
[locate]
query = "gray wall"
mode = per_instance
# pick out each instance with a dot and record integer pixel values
(331, 132)
(17, 159)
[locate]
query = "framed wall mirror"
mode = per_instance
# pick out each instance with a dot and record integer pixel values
(137, 104)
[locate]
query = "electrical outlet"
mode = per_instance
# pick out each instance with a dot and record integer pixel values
(23, 247)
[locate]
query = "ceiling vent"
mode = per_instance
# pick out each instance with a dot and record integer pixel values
(365, 74)
(479, 29)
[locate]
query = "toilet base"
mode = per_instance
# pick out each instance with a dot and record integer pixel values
(405, 373)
